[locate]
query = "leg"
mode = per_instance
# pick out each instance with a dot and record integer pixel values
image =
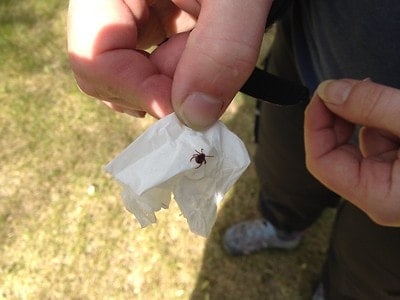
(363, 260)
(290, 198)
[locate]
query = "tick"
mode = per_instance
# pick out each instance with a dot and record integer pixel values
(200, 158)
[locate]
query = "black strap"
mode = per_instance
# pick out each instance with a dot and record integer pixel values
(267, 87)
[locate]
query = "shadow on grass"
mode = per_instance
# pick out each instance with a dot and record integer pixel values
(272, 274)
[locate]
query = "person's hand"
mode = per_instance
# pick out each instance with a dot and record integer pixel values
(195, 74)
(368, 175)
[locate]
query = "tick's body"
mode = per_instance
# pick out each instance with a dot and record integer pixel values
(200, 158)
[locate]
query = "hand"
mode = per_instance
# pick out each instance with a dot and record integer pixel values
(367, 175)
(195, 74)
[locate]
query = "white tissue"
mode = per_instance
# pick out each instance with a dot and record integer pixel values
(159, 163)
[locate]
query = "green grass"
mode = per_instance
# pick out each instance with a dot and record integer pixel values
(64, 233)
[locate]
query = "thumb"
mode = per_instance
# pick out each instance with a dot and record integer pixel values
(220, 55)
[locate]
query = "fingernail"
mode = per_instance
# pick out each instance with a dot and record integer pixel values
(199, 111)
(334, 91)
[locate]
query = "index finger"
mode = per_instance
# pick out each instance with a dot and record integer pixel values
(363, 102)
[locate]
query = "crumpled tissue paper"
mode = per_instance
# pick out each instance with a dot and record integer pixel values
(167, 158)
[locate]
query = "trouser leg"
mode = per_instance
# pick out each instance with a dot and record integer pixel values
(290, 198)
(363, 260)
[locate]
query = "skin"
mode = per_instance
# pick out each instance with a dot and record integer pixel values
(196, 72)
(368, 175)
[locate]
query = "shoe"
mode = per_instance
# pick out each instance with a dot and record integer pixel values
(319, 293)
(252, 236)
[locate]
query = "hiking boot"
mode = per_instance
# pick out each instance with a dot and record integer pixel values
(252, 236)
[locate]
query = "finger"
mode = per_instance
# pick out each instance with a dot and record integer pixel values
(114, 77)
(122, 109)
(220, 54)
(88, 19)
(363, 102)
(326, 138)
(167, 55)
(371, 184)
(378, 143)
(165, 20)
(102, 42)
(192, 7)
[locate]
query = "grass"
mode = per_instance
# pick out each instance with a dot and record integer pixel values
(64, 233)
